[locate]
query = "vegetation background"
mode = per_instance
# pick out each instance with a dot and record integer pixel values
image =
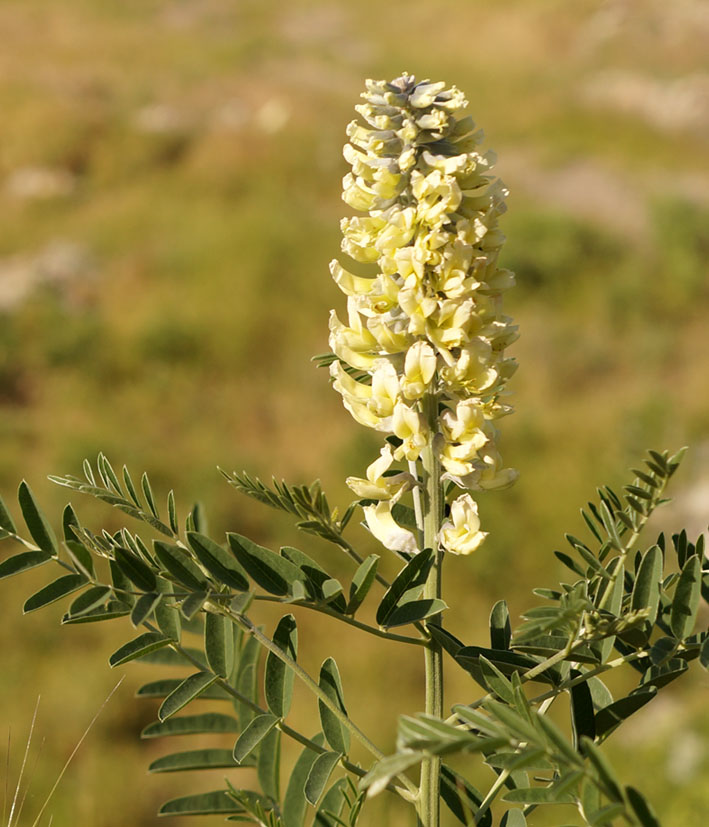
(170, 191)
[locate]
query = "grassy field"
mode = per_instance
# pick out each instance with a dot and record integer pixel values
(170, 190)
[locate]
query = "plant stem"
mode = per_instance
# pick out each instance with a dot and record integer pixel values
(429, 792)
(372, 630)
(282, 725)
(342, 717)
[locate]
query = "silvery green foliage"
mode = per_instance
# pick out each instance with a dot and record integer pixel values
(194, 602)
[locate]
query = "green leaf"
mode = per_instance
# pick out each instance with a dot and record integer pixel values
(599, 692)
(430, 733)
(245, 679)
(269, 570)
(172, 512)
(641, 808)
(387, 768)
(278, 678)
(169, 657)
(252, 736)
(294, 803)
(6, 522)
(112, 610)
(448, 642)
(207, 722)
(337, 736)
(37, 524)
(81, 558)
(608, 718)
(570, 563)
(332, 805)
(319, 775)
(528, 759)
(413, 611)
(322, 587)
(219, 644)
(54, 591)
(148, 493)
(500, 629)
(218, 562)
(413, 574)
(138, 572)
(269, 764)
(646, 591)
(538, 795)
(69, 522)
(196, 759)
(22, 562)
(549, 645)
(167, 616)
(583, 719)
(659, 676)
(144, 607)
(605, 816)
(142, 645)
(192, 604)
(603, 769)
(496, 682)
(218, 802)
(507, 662)
(513, 721)
(177, 562)
(189, 689)
(685, 603)
(513, 818)
(90, 599)
(704, 654)
(462, 799)
(362, 582)
(163, 687)
(121, 584)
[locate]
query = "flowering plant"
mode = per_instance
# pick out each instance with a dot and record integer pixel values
(421, 359)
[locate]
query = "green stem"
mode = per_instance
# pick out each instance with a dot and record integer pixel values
(429, 794)
(284, 728)
(372, 630)
(298, 670)
(491, 793)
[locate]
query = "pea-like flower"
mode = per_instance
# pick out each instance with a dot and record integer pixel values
(461, 533)
(424, 307)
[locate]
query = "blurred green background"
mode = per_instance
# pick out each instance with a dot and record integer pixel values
(170, 190)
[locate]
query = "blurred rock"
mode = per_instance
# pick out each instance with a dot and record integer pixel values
(39, 183)
(685, 756)
(587, 189)
(162, 119)
(670, 105)
(62, 265)
(272, 116)
(679, 23)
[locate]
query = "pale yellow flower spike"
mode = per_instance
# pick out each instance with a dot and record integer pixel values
(426, 321)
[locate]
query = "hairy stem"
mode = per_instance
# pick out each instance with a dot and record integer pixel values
(429, 792)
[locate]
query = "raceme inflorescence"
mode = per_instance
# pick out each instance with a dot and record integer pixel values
(422, 355)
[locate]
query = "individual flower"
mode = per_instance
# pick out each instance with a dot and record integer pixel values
(461, 533)
(380, 487)
(384, 527)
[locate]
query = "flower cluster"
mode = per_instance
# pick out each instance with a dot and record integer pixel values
(427, 320)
